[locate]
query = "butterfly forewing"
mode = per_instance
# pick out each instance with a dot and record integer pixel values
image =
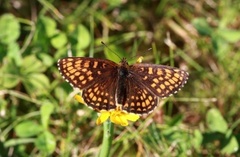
(161, 80)
(82, 72)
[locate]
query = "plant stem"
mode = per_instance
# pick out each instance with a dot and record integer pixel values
(108, 128)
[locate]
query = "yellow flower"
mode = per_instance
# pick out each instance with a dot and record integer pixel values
(139, 60)
(79, 99)
(117, 116)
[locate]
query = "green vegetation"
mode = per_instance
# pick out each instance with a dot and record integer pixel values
(39, 117)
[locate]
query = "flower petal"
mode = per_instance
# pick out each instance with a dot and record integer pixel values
(116, 116)
(132, 117)
(104, 115)
(120, 120)
(119, 117)
(139, 60)
(79, 98)
(124, 121)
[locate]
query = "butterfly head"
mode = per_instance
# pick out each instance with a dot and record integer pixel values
(124, 62)
(123, 70)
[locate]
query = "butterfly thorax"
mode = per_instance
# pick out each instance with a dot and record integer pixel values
(123, 68)
(123, 74)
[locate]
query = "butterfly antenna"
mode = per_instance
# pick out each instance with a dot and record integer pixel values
(149, 49)
(111, 50)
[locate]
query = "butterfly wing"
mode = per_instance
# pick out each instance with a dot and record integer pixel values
(101, 94)
(82, 72)
(98, 80)
(161, 80)
(95, 77)
(139, 99)
(147, 83)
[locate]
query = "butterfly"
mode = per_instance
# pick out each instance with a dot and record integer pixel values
(106, 85)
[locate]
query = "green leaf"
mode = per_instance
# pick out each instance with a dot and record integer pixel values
(218, 43)
(229, 35)
(230, 144)
(202, 26)
(13, 52)
(46, 59)
(9, 74)
(31, 65)
(82, 36)
(28, 129)
(60, 53)
(36, 84)
(3, 107)
(216, 122)
(80, 53)
(46, 111)
(60, 94)
(45, 30)
(220, 46)
(49, 25)
(18, 141)
(197, 140)
(59, 40)
(10, 29)
(176, 120)
(114, 53)
(114, 3)
(46, 143)
(8, 81)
